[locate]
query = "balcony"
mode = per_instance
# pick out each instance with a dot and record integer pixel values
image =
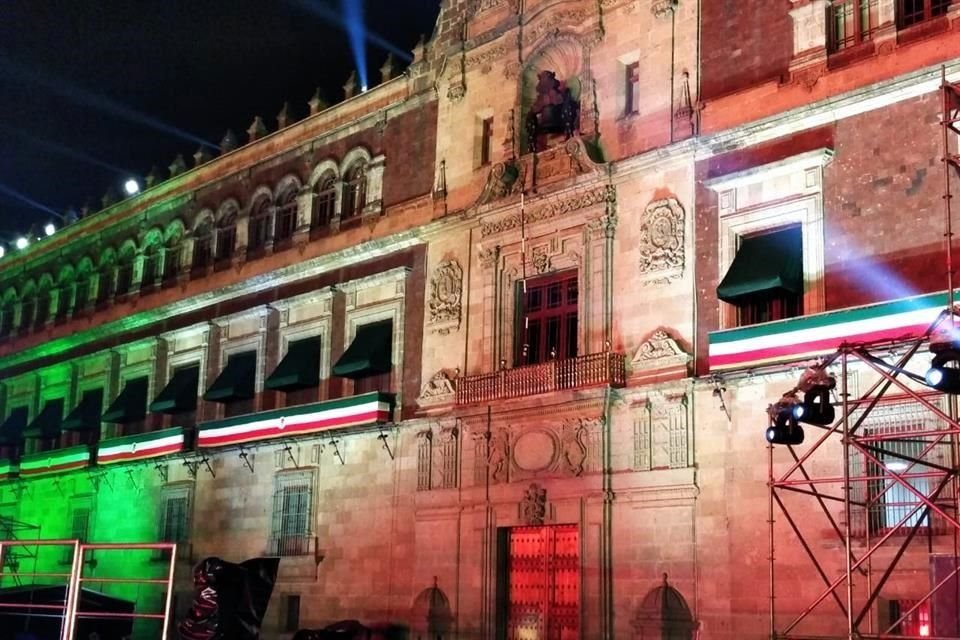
(596, 369)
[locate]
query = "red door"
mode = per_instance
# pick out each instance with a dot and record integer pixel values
(544, 583)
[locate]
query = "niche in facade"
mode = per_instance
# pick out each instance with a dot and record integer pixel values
(551, 87)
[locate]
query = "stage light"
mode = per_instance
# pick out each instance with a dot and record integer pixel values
(132, 187)
(3, 250)
(22, 243)
(363, 88)
(783, 428)
(940, 376)
(897, 466)
(815, 408)
(49, 229)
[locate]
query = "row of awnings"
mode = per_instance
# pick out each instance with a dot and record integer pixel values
(368, 354)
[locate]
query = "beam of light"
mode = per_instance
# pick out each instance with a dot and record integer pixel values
(66, 152)
(78, 95)
(328, 15)
(352, 11)
(13, 194)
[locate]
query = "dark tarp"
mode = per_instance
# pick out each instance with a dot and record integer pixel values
(47, 423)
(236, 381)
(131, 404)
(370, 352)
(11, 432)
(86, 415)
(765, 262)
(230, 600)
(180, 394)
(41, 624)
(299, 369)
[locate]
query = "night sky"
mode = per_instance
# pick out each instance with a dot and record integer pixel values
(75, 75)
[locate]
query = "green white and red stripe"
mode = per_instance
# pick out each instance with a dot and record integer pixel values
(8, 469)
(355, 411)
(141, 446)
(808, 336)
(36, 464)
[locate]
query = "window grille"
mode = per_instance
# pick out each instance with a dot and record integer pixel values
(286, 222)
(259, 226)
(910, 12)
(290, 535)
(226, 239)
(853, 22)
(354, 192)
(632, 81)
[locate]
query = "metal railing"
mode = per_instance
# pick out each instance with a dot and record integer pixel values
(570, 373)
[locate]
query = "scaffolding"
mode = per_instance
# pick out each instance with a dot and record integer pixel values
(899, 484)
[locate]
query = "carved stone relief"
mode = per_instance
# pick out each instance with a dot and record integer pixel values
(533, 505)
(659, 351)
(663, 8)
(437, 458)
(446, 294)
(575, 437)
(485, 58)
(439, 389)
(662, 242)
(550, 210)
(661, 434)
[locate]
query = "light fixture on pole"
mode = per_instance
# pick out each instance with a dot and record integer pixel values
(783, 428)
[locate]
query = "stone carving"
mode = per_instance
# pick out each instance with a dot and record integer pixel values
(661, 241)
(504, 179)
(663, 8)
(576, 202)
(533, 506)
(457, 91)
(555, 111)
(662, 434)
(603, 226)
(660, 350)
(555, 20)
(498, 456)
(574, 436)
(489, 257)
(541, 261)
(424, 459)
(440, 388)
(446, 295)
(482, 5)
(684, 113)
(449, 464)
(484, 58)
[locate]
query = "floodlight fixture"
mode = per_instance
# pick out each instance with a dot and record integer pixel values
(815, 408)
(49, 229)
(132, 187)
(783, 427)
(942, 377)
(22, 243)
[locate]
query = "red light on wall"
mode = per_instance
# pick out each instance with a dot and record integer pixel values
(924, 630)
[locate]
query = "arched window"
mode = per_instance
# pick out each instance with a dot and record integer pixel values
(42, 311)
(7, 310)
(354, 191)
(151, 265)
(124, 272)
(81, 291)
(172, 249)
(286, 217)
(324, 202)
(258, 228)
(202, 246)
(65, 289)
(226, 236)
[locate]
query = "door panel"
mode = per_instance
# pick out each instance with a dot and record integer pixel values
(544, 583)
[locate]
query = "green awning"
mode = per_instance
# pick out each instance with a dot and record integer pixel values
(130, 404)
(236, 381)
(180, 394)
(11, 432)
(765, 262)
(299, 369)
(47, 423)
(370, 352)
(86, 415)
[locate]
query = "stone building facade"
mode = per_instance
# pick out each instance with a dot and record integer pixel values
(458, 348)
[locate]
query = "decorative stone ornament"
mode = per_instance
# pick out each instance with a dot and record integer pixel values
(660, 357)
(663, 8)
(257, 129)
(202, 156)
(446, 296)
(283, 118)
(533, 506)
(317, 104)
(229, 142)
(350, 86)
(441, 388)
(386, 71)
(178, 166)
(662, 242)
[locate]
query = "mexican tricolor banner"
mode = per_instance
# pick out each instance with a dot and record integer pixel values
(60, 460)
(141, 446)
(355, 411)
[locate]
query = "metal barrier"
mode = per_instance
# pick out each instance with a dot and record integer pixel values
(70, 611)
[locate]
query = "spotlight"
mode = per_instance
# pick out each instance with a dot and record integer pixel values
(363, 89)
(22, 243)
(815, 408)
(783, 427)
(3, 250)
(49, 229)
(132, 187)
(940, 376)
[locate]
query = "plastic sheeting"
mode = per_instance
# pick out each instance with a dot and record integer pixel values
(229, 599)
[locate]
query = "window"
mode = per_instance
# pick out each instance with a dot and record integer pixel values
(913, 11)
(916, 623)
(235, 386)
(631, 78)
(286, 222)
(63, 301)
(202, 248)
(290, 535)
(853, 22)
(548, 318)
(887, 500)
(81, 295)
(258, 229)
(6, 320)
(104, 284)
(175, 518)
(765, 281)
(226, 240)
(486, 141)
(79, 522)
(148, 275)
(354, 192)
(124, 277)
(171, 264)
(324, 202)
(42, 312)
(369, 358)
(291, 621)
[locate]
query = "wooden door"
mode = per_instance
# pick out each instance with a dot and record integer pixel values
(543, 585)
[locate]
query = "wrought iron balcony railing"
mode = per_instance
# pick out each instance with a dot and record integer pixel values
(570, 373)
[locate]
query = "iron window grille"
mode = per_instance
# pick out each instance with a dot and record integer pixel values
(853, 22)
(290, 530)
(911, 12)
(324, 203)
